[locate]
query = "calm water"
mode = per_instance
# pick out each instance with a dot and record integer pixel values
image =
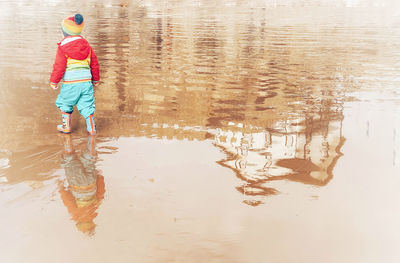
(229, 131)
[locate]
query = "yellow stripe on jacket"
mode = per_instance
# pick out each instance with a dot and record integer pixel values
(77, 70)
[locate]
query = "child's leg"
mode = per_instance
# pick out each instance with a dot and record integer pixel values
(68, 97)
(66, 100)
(86, 106)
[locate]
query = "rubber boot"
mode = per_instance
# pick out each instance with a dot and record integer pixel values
(65, 127)
(90, 125)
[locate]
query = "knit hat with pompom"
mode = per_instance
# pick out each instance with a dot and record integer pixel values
(72, 26)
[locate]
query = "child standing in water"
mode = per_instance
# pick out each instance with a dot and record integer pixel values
(76, 64)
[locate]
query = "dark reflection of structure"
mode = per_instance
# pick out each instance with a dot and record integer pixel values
(121, 47)
(85, 190)
(302, 150)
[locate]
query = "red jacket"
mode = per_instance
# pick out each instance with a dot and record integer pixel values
(75, 61)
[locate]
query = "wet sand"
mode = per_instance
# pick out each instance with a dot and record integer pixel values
(227, 132)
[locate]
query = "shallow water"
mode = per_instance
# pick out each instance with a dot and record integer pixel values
(228, 131)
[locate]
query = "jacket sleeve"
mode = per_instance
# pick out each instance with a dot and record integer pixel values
(94, 66)
(59, 67)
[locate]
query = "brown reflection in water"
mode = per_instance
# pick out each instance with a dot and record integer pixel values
(85, 186)
(32, 165)
(306, 151)
(234, 74)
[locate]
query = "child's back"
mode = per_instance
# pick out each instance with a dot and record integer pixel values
(76, 64)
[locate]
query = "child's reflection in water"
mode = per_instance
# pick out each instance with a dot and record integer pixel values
(85, 190)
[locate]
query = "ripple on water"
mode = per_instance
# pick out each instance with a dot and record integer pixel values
(266, 91)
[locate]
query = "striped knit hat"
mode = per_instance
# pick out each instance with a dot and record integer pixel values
(72, 26)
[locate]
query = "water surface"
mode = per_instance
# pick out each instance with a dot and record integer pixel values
(228, 131)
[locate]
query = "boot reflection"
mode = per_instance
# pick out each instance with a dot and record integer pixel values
(85, 187)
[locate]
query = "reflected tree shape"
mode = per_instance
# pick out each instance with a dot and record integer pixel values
(302, 151)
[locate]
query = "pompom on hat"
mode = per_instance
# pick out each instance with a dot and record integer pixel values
(72, 26)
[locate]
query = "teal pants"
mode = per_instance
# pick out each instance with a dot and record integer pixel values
(79, 94)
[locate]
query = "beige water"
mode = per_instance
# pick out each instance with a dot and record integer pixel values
(228, 131)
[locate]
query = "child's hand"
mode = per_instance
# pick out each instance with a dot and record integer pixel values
(53, 86)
